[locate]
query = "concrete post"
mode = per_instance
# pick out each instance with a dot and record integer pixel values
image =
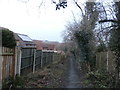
(0, 59)
(19, 61)
(16, 54)
(34, 61)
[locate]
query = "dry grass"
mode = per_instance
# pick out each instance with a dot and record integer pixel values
(49, 77)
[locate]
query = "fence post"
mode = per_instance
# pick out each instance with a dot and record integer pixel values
(34, 61)
(19, 61)
(0, 67)
(47, 58)
(100, 61)
(41, 59)
(16, 54)
(53, 57)
(107, 60)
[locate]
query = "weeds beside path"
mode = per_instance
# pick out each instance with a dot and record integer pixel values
(49, 77)
(63, 74)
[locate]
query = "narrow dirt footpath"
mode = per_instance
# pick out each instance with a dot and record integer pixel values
(72, 75)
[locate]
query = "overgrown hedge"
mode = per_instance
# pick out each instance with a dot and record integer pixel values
(101, 79)
(8, 39)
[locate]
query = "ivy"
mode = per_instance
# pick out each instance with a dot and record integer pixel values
(83, 41)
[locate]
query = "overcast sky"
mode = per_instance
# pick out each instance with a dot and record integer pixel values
(44, 23)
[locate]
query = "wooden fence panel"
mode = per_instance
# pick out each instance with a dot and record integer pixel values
(105, 61)
(29, 63)
(50, 57)
(8, 62)
(111, 62)
(56, 57)
(38, 59)
(47, 58)
(27, 59)
(44, 59)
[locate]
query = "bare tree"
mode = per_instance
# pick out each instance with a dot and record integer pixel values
(83, 35)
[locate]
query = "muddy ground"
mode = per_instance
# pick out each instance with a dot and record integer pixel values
(73, 77)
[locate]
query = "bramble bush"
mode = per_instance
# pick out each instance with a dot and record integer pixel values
(101, 79)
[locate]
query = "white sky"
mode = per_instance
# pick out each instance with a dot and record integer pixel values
(43, 23)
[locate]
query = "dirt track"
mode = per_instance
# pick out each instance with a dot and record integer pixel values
(72, 76)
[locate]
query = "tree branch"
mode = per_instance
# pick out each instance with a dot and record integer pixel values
(79, 7)
(114, 21)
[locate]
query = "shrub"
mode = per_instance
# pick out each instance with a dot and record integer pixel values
(101, 79)
(101, 48)
(8, 39)
(11, 82)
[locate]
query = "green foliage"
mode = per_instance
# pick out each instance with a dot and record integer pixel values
(115, 40)
(101, 47)
(83, 40)
(115, 46)
(17, 82)
(7, 82)
(101, 79)
(8, 39)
